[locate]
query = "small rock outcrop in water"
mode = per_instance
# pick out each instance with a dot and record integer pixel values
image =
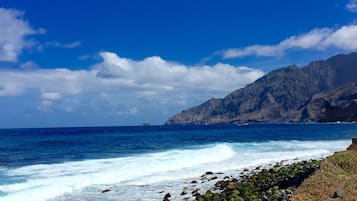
(105, 190)
(275, 184)
(288, 94)
(167, 197)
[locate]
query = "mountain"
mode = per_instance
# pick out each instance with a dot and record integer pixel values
(283, 95)
(336, 105)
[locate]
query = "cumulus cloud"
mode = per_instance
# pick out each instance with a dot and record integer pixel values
(352, 6)
(344, 38)
(13, 32)
(159, 74)
(131, 82)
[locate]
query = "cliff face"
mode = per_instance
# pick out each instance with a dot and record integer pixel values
(336, 105)
(280, 96)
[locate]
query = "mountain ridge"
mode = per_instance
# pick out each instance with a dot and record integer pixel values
(277, 96)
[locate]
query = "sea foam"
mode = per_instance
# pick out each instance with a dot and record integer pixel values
(140, 173)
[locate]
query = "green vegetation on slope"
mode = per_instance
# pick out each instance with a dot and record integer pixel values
(276, 183)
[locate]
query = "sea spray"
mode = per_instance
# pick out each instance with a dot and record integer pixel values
(144, 173)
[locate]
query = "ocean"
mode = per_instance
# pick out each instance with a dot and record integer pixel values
(146, 162)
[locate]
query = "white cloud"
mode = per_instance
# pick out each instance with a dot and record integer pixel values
(156, 73)
(29, 65)
(13, 32)
(48, 98)
(133, 110)
(70, 45)
(352, 6)
(51, 96)
(123, 81)
(344, 38)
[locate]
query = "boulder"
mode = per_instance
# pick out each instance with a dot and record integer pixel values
(105, 190)
(167, 197)
(338, 193)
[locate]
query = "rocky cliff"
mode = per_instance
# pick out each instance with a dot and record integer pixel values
(289, 94)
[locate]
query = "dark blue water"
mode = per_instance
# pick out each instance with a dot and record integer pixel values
(20, 147)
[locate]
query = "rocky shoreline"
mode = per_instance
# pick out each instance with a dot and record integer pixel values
(260, 184)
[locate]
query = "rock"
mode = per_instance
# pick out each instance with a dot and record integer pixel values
(338, 193)
(219, 184)
(273, 184)
(245, 169)
(184, 190)
(199, 197)
(219, 172)
(209, 173)
(194, 182)
(230, 186)
(194, 192)
(105, 190)
(213, 178)
(167, 197)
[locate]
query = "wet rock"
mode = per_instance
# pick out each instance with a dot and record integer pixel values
(194, 182)
(246, 170)
(276, 183)
(213, 178)
(184, 190)
(199, 197)
(209, 173)
(194, 192)
(167, 197)
(219, 184)
(338, 193)
(105, 190)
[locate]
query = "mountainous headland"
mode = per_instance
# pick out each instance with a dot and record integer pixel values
(322, 91)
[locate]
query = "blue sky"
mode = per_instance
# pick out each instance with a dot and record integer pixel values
(125, 62)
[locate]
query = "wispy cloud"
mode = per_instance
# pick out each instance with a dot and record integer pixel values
(352, 6)
(70, 45)
(29, 65)
(84, 57)
(14, 30)
(15, 36)
(344, 38)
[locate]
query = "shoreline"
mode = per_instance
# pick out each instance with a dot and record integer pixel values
(263, 183)
(228, 186)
